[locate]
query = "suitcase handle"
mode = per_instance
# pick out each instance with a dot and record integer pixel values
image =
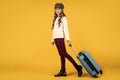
(74, 51)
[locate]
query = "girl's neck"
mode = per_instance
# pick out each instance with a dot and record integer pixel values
(58, 16)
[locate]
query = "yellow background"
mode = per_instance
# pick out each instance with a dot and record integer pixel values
(25, 36)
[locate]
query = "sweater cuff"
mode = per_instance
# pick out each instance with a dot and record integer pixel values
(52, 39)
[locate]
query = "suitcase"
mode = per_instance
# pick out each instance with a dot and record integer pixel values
(88, 63)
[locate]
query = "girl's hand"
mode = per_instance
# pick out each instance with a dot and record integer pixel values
(69, 43)
(52, 43)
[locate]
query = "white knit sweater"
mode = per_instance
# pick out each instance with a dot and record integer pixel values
(62, 30)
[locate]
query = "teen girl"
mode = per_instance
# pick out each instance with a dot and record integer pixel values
(60, 31)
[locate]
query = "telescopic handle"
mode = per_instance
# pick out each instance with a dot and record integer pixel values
(74, 50)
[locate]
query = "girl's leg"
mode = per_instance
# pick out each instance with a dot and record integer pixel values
(62, 58)
(62, 70)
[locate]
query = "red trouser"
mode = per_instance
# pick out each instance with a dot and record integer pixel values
(63, 53)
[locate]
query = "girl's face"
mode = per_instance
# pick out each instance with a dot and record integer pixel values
(58, 11)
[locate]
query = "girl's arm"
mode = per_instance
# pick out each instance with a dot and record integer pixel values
(65, 28)
(66, 31)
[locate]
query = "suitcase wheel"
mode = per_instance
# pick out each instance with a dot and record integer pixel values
(101, 72)
(95, 76)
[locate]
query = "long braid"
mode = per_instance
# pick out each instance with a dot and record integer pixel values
(55, 16)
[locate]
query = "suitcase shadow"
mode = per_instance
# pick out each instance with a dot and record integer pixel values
(86, 75)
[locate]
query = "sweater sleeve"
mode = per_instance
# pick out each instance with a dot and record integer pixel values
(65, 28)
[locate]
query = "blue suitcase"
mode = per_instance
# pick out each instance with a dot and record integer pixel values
(88, 63)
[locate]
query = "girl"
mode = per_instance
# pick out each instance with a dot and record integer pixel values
(60, 30)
